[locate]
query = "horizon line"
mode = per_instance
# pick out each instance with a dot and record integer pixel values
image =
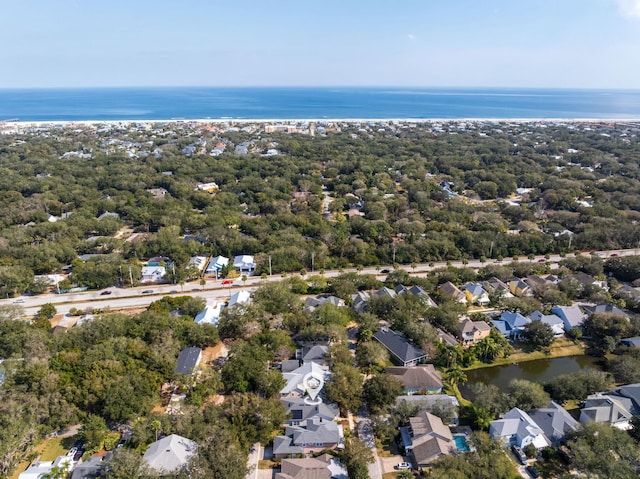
(402, 87)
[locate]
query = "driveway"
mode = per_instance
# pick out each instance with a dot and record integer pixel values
(365, 433)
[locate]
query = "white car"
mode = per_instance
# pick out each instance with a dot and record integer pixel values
(403, 465)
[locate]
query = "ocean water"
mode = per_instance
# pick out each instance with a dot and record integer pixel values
(298, 103)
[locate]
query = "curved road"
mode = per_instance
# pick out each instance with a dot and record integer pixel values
(120, 298)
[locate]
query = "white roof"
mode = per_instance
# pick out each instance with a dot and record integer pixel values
(239, 298)
(170, 453)
(153, 271)
(210, 314)
(242, 260)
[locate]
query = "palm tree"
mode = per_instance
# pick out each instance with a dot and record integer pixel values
(157, 426)
(455, 375)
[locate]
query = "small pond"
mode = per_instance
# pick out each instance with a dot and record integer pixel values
(540, 370)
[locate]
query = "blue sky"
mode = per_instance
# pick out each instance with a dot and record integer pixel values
(493, 43)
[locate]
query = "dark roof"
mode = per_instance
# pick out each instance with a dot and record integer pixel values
(90, 469)
(187, 360)
(399, 346)
(635, 341)
(605, 308)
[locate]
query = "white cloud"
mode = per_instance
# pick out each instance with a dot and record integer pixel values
(629, 8)
(411, 36)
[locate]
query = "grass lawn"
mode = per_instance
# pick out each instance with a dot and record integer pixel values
(560, 348)
(53, 449)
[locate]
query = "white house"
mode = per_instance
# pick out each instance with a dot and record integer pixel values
(210, 314)
(551, 320)
(244, 264)
(517, 428)
(44, 467)
(153, 274)
(239, 297)
(198, 262)
(216, 265)
(170, 454)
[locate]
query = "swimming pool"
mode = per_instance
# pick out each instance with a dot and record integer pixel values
(461, 443)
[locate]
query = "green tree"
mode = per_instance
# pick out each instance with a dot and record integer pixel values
(538, 334)
(381, 391)
(599, 450)
(47, 311)
(355, 457)
(344, 387)
(526, 395)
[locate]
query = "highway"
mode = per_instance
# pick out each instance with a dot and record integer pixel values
(121, 298)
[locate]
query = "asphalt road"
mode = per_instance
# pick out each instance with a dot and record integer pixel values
(120, 298)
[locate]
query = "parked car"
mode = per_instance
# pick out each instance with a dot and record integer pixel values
(104, 293)
(147, 291)
(403, 465)
(613, 255)
(519, 453)
(385, 271)
(533, 472)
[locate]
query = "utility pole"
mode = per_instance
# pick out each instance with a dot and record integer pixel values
(491, 250)
(269, 265)
(570, 238)
(130, 276)
(313, 256)
(394, 252)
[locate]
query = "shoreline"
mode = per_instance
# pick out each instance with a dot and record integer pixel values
(39, 123)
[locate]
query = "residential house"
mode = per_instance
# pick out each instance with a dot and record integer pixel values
(89, 469)
(321, 467)
(450, 290)
(211, 187)
(210, 314)
(299, 410)
(158, 193)
(305, 381)
(497, 287)
(607, 408)
(606, 308)
(311, 436)
(583, 280)
(359, 301)
(511, 325)
(444, 406)
(539, 284)
(476, 294)
(385, 292)
(153, 274)
(551, 320)
(426, 438)
(198, 262)
(418, 292)
(245, 264)
(316, 354)
(555, 422)
(571, 316)
(188, 361)
(630, 342)
(471, 332)
(239, 297)
(217, 265)
(417, 379)
(520, 288)
(517, 428)
(310, 304)
(403, 352)
(43, 468)
(170, 454)
(446, 338)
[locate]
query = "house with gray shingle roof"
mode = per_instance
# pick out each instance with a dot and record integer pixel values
(188, 361)
(517, 428)
(417, 378)
(313, 435)
(511, 325)
(613, 410)
(451, 291)
(554, 421)
(403, 352)
(551, 320)
(170, 454)
(426, 438)
(299, 410)
(310, 468)
(571, 316)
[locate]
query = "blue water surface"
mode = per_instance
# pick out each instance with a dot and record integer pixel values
(317, 103)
